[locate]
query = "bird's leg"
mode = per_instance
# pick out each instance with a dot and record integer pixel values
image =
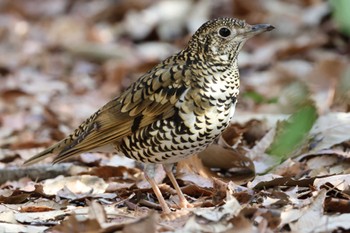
(183, 201)
(149, 172)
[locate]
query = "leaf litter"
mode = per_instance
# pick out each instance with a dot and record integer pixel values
(281, 166)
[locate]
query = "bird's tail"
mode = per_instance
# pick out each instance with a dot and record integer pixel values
(54, 149)
(64, 149)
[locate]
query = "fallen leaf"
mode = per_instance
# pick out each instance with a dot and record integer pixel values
(73, 225)
(147, 224)
(9, 227)
(291, 134)
(226, 164)
(341, 182)
(29, 209)
(330, 129)
(312, 219)
(337, 205)
(209, 219)
(84, 184)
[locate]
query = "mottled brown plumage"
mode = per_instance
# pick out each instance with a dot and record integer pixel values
(174, 110)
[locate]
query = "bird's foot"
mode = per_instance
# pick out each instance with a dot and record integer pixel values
(174, 215)
(185, 204)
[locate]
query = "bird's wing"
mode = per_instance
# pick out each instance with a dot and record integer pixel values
(151, 98)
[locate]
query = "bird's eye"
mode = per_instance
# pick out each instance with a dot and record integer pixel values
(224, 32)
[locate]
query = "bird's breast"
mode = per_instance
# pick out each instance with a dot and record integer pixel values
(207, 110)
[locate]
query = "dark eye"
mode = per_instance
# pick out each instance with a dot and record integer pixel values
(224, 32)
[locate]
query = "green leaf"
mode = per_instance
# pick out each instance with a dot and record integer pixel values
(291, 133)
(255, 96)
(341, 14)
(258, 98)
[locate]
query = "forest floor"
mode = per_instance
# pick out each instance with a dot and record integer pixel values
(282, 165)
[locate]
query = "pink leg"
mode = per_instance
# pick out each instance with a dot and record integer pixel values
(183, 201)
(149, 174)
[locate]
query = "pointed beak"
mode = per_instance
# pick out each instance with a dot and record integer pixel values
(262, 27)
(257, 29)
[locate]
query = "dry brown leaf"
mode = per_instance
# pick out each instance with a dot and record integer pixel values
(270, 180)
(337, 205)
(30, 209)
(106, 172)
(147, 224)
(84, 184)
(226, 164)
(73, 225)
(14, 198)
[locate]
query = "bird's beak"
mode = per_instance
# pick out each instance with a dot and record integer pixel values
(257, 29)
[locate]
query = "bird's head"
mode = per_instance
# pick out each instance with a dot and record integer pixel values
(222, 39)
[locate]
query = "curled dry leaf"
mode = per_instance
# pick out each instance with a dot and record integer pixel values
(197, 191)
(15, 198)
(227, 164)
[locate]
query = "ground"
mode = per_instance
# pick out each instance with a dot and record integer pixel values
(281, 166)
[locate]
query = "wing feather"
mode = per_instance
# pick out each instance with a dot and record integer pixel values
(148, 99)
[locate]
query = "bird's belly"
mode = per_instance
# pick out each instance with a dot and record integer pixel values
(165, 142)
(204, 131)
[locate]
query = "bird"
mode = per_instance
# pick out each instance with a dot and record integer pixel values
(173, 111)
